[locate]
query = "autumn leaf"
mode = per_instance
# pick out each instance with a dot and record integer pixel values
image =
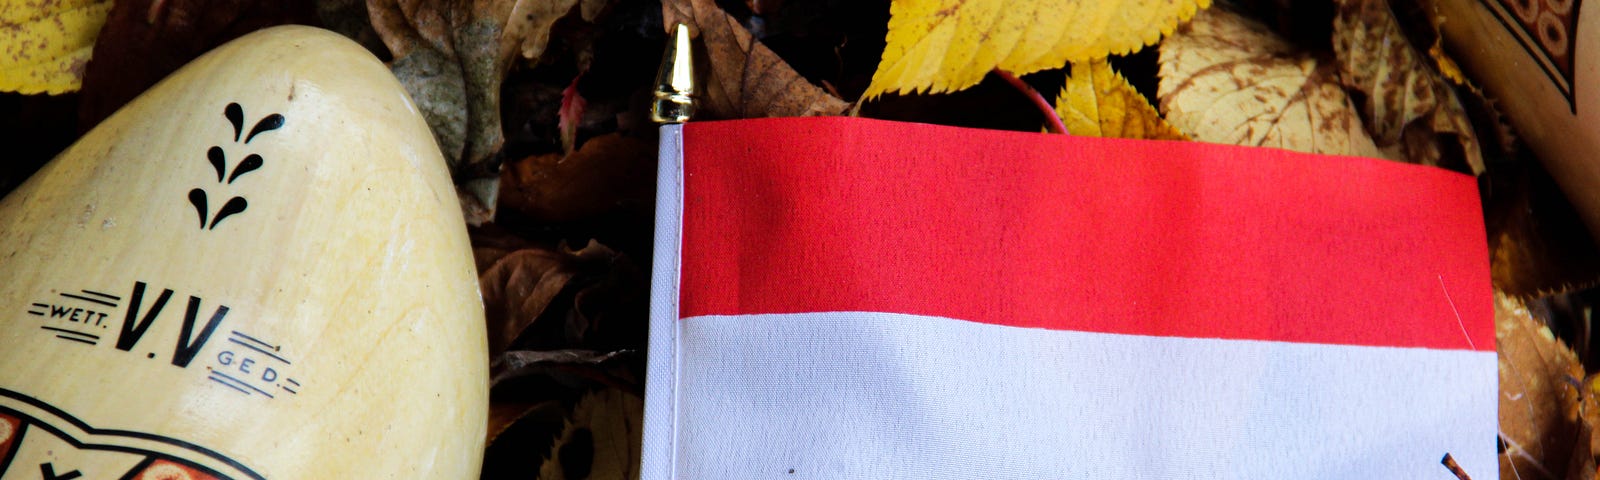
(452, 58)
(1098, 102)
(1228, 79)
(1406, 104)
(502, 415)
(1447, 65)
(528, 30)
(449, 57)
(606, 173)
(601, 440)
(746, 79)
(948, 45)
(1539, 378)
(47, 43)
(517, 287)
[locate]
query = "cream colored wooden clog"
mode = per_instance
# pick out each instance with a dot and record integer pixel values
(1540, 60)
(257, 269)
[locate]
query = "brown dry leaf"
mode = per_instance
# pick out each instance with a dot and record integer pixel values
(1098, 102)
(601, 440)
(605, 173)
(448, 56)
(490, 243)
(1407, 106)
(745, 79)
(528, 31)
(1228, 79)
(502, 415)
(519, 286)
(452, 57)
(1538, 395)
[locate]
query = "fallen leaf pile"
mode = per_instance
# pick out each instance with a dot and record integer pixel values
(1408, 106)
(541, 108)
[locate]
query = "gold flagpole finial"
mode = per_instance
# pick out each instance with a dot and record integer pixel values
(674, 94)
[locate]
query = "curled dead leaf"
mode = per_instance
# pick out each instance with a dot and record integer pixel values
(1406, 103)
(1227, 79)
(745, 79)
(1098, 102)
(1539, 379)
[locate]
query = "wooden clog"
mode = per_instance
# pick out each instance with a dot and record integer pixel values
(1540, 60)
(257, 269)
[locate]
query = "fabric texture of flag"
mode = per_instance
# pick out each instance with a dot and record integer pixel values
(851, 298)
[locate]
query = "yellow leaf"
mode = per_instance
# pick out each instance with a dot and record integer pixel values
(1447, 66)
(948, 45)
(1228, 79)
(47, 43)
(1098, 102)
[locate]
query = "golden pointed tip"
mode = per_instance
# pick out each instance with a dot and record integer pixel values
(674, 92)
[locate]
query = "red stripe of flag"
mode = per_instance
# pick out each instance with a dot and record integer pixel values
(1105, 235)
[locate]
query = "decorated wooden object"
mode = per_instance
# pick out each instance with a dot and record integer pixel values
(1540, 59)
(257, 269)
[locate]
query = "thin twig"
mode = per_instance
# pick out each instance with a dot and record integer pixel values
(1051, 120)
(1455, 468)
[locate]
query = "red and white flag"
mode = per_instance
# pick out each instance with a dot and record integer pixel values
(850, 298)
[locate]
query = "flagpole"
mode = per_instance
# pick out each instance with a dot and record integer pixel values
(673, 104)
(674, 92)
